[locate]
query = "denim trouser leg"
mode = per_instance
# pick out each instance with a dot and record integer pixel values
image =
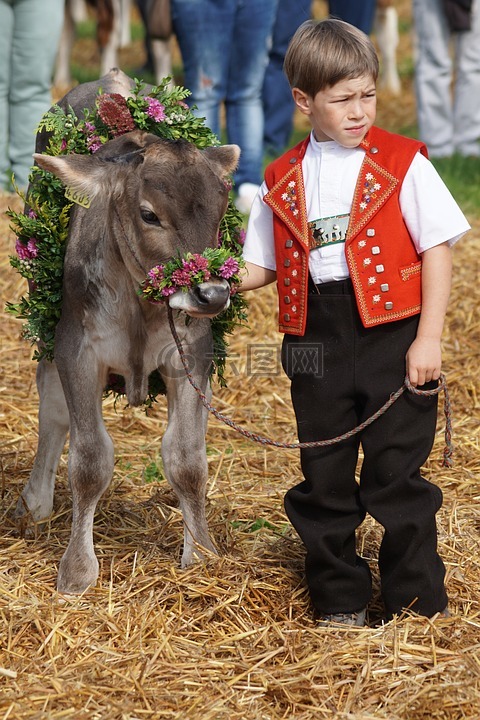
(6, 23)
(34, 35)
(447, 124)
(278, 105)
(433, 77)
(466, 100)
(361, 14)
(224, 45)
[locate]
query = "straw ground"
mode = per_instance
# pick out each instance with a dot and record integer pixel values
(233, 638)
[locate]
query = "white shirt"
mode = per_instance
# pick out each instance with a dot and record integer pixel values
(330, 173)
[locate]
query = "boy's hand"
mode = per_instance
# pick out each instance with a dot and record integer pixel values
(424, 356)
(424, 360)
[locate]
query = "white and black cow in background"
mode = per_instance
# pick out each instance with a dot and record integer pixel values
(150, 199)
(113, 33)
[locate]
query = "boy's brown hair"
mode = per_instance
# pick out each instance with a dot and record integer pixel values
(321, 53)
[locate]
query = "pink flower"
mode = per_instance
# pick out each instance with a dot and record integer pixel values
(28, 251)
(155, 109)
(241, 236)
(229, 268)
(155, 276)
(94, 144)
(182, 277)
(168, 291)
(201, 262)
(32, 247)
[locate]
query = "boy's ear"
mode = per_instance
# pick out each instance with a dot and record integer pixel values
(301, 100)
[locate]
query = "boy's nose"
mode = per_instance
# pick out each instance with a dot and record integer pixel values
(356, 110)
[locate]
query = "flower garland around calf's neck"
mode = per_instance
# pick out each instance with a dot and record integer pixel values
(42, 231)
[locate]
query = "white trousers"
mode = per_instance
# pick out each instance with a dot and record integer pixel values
(447, 81)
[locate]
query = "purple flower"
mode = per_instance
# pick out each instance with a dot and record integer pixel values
(241, 236)
(32, 214)
(229, 268)
(28, 251)
(155, 109)
(168, 291)
(94, 143)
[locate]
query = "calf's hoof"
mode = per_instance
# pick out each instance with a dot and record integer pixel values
(197, 553)
(28, 523)
(77, 574)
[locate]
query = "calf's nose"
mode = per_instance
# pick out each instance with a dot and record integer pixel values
(212, 296)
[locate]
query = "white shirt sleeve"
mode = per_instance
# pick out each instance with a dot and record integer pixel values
(259, 246)
(431, 214)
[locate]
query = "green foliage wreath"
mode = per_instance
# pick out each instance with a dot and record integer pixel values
(42, 231)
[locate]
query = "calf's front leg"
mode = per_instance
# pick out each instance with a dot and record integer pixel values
(185, 458)
(90, 469)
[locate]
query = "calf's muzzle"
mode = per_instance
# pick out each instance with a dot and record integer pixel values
(204, 300)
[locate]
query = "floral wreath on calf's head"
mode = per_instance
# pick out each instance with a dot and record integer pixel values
(42, 232)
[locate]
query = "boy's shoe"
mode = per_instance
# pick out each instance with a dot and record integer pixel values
(355, 619)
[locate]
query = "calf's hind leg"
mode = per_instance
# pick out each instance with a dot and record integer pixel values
(36, 501)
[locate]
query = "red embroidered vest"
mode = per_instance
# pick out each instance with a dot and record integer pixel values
(383, 263)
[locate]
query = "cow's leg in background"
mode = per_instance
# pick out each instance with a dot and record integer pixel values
(118, 37)
(62, 77)
(162, 59)
(386, 32)
(183, 445)
(36, 502)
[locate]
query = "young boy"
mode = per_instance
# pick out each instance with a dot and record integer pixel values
(355, 226)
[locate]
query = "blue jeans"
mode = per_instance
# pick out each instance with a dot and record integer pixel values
(447, 85)
(278, 105)
(224, 46)
(29, 36)
(361, 14)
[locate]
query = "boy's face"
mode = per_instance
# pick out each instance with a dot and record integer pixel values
(343, 112)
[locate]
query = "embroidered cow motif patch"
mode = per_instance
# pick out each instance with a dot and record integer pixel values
(291, 198)
(369, 191)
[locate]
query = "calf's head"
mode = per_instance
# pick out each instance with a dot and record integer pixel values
(154, 199)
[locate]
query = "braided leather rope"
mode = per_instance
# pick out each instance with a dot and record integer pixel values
(442, 385)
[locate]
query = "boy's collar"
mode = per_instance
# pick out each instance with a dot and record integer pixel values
(366, 143)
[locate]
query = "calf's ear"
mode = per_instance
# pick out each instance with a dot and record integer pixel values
(84, 174)
(223, 159)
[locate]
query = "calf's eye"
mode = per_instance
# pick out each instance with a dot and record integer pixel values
(149, 216)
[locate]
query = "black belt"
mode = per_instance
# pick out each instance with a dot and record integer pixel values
(336, 287)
